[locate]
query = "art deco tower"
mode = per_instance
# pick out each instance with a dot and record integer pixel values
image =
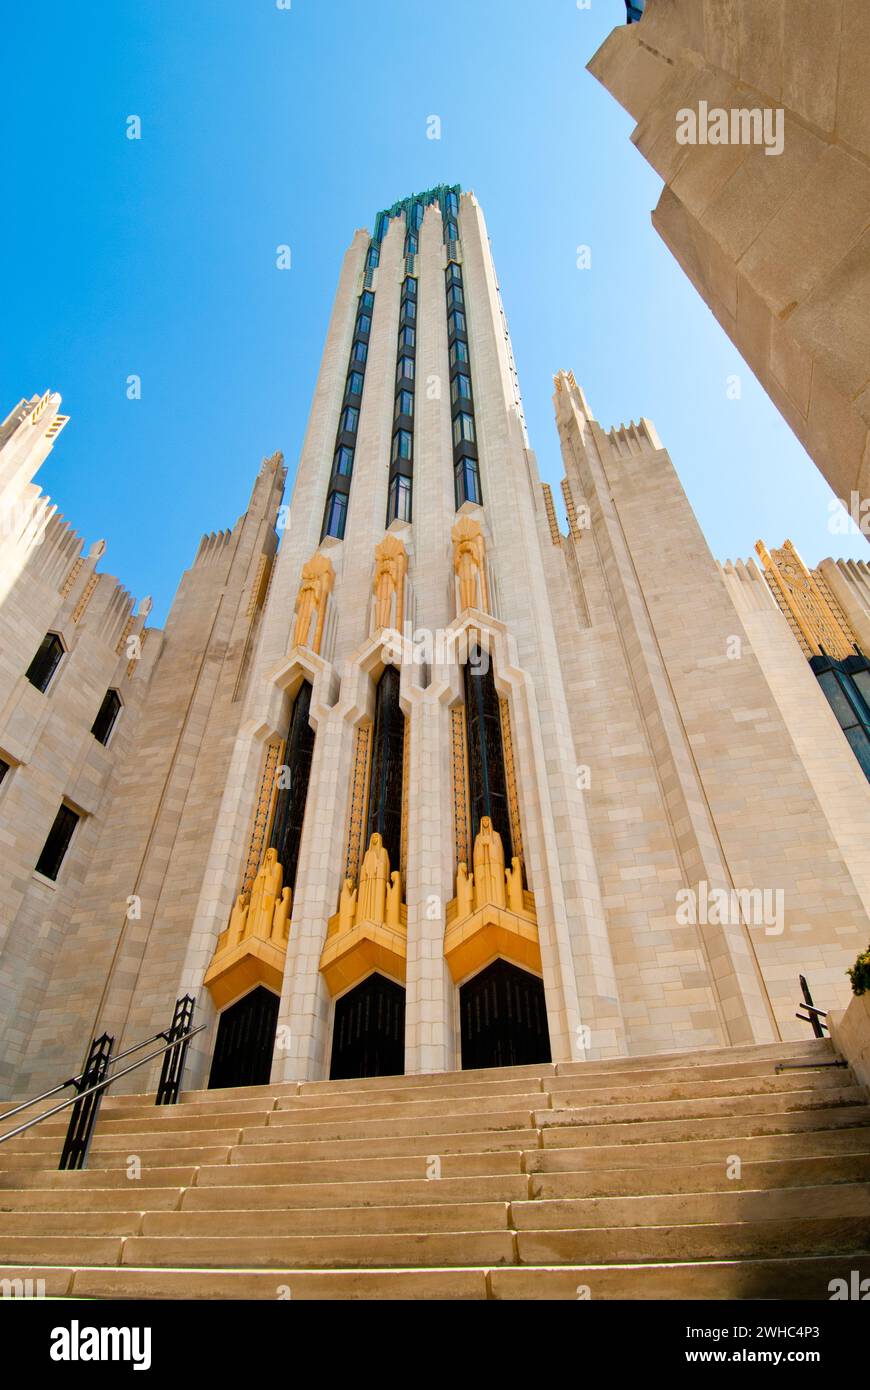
(423, 787)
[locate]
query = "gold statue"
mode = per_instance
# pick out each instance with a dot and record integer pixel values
(464, 891)
(264, 895)
(514, 885)
(375, 872)
(238, 920)
(391, 563)
(347, 906)
(394, 900)
(281, 919)
(489, 871)
(469, 562)
(315, 587)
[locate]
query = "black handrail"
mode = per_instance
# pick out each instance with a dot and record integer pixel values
(87, 1099)
(813, 1015)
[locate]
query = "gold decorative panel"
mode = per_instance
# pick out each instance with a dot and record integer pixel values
(74, 571)
(87, 594)
(461, 825)
(263, 815)
(818, 621)
(511, 777)
(550, 509)
(359, 797)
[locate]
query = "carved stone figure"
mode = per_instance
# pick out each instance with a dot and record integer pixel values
(391, 563)
(281, 920)
(489, 879)
(514, 885)
(315, 587)
(264, 895)
(347, 906)
(394, 900)
(469, 562)
(238, 920)
(373, 879)
(464, 892)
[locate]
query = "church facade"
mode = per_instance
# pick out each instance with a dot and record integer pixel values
(413, 780)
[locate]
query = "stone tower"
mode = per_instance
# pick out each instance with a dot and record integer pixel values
(430, 784)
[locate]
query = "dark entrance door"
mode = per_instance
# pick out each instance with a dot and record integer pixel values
(368, 1035)
(504, 1018)
(245, 1041)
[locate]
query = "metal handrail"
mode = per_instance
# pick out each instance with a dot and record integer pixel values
(74, 1080)
(101, 1085)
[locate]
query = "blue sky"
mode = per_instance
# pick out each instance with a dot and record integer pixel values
(264, 126)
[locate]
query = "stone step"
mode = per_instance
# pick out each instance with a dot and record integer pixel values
(743, 1240)
(697, 1208)
(79, 1179)
(91, 1199)
(808, 1143)
(698, 1108)
(107, 1155)
(726, 1126)
(395, 1191)
(702, 1177)
(806, 1278)
(567, 1093)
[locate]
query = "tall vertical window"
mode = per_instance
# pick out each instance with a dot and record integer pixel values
(846, 685)
(57, 844)
(486, 769)
(402, 446)
(106, 716)
(338, 494)
(466, 468)
(385, 787)
(46, 661)
(286, 834)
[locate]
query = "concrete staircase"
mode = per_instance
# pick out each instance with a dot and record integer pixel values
(603, 1180)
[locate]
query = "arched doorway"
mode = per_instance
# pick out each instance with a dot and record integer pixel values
(368, 1034)
(503, 1018)
(245, 1041)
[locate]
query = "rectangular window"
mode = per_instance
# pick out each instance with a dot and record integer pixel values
(404, 403)
(354, 384)
(451, 203)
(343, 461)
(366, 300)
(463, 428)
(410, 287)
(455, 295)
(106, 716)
(407, 338)
(456, 321)
(336, 515)
(363, 324)
(402, 445)
(57, 844)
(46, 661)
(458, 353)
(411, 244)
(349, 419)
(399, 504)
(409, 308)
(405, 368)
(360, 351)
(467, 480)
(460, 387)
(454, 274)
(451, 231)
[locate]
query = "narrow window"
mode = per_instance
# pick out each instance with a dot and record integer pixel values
(467, 482)
(46, 661)
(458, 352)
(402, 445)
(4, 768)
(405, 368)
(463, 428)
(336, 515)
(106, 716)
(404, 403)
(399, 504)
(360, 351)
(349, 419)
(57, 844)
(343, 461)
(460, 387)
(354, 384)
(363, 324)
(456, 321)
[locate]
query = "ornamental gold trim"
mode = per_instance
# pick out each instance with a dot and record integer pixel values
(359, 798)
(264, 812)
(798, 592)
(511, 777)
(87, 594)
(461, 823)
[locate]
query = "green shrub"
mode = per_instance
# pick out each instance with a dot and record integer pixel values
(860, 973)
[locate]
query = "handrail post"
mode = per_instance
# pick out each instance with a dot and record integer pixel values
(84, 1113)
(174, 1060)
(815, 1015)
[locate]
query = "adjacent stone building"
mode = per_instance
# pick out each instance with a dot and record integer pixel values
(776, 240)
(431, 784)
